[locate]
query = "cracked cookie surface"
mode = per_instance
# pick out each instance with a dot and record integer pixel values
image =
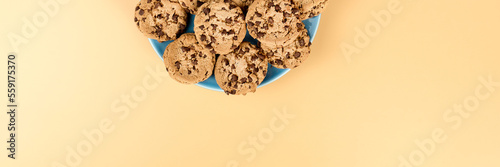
(186, 60)
(310, 8)
(273, 23)
(241, 71)
(189, 5)
(292, 55)
(160, 19)
(243, 4)
(219, 26)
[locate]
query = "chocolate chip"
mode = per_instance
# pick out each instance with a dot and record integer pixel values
(214, 26)
(232, 6)
(235, 86)
(203, 37)
(202, 27)
(195, 62)
(288, 55)
(301, 42)
(255, 70)
(135, 19)
(182, 26)
(250, 79)
(213, 39)
(230, 32)
(226, 62)
(213, 51)
(260, 34)
(137, 8)
(270, 4)
(261, 56)
(206, 11)
(254, 58)
(250, 24)
(295, 10)
(160, 33)
(258, 14)
(233, 92)
(296, 55)
(183, 4)
(278, 62)
(277, 8)
(243, 80)
(234, 78)
(229, 20)
(286, 14)
(175, 17)
(141, 12)
(284, 21)
(185, 49)
(189, 71)
(208, 46)
(235, 38)
(257, 23)
(178, 64)
(193, 56)
(270, 19)
(233, 67)
(251, 65)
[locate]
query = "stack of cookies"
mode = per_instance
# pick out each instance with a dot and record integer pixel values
(219, 29)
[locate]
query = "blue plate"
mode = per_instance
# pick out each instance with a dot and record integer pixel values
(272, 73)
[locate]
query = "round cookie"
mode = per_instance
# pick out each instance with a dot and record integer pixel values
(273, 23)
(160, 19)
(186, 60)
(290, 56)
(219, 26)
(242, 70)
(310, 8)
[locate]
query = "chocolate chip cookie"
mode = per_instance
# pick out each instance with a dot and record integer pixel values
(292, 55)
(273, 23)
(219, 26)
(187, 61)
(160, 19)
(310, 8)
(242, 70)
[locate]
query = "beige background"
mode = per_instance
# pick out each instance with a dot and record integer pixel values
(366, 112)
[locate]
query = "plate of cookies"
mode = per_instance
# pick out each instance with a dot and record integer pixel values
(232, 46)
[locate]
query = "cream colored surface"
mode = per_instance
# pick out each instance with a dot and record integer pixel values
(364, 113)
